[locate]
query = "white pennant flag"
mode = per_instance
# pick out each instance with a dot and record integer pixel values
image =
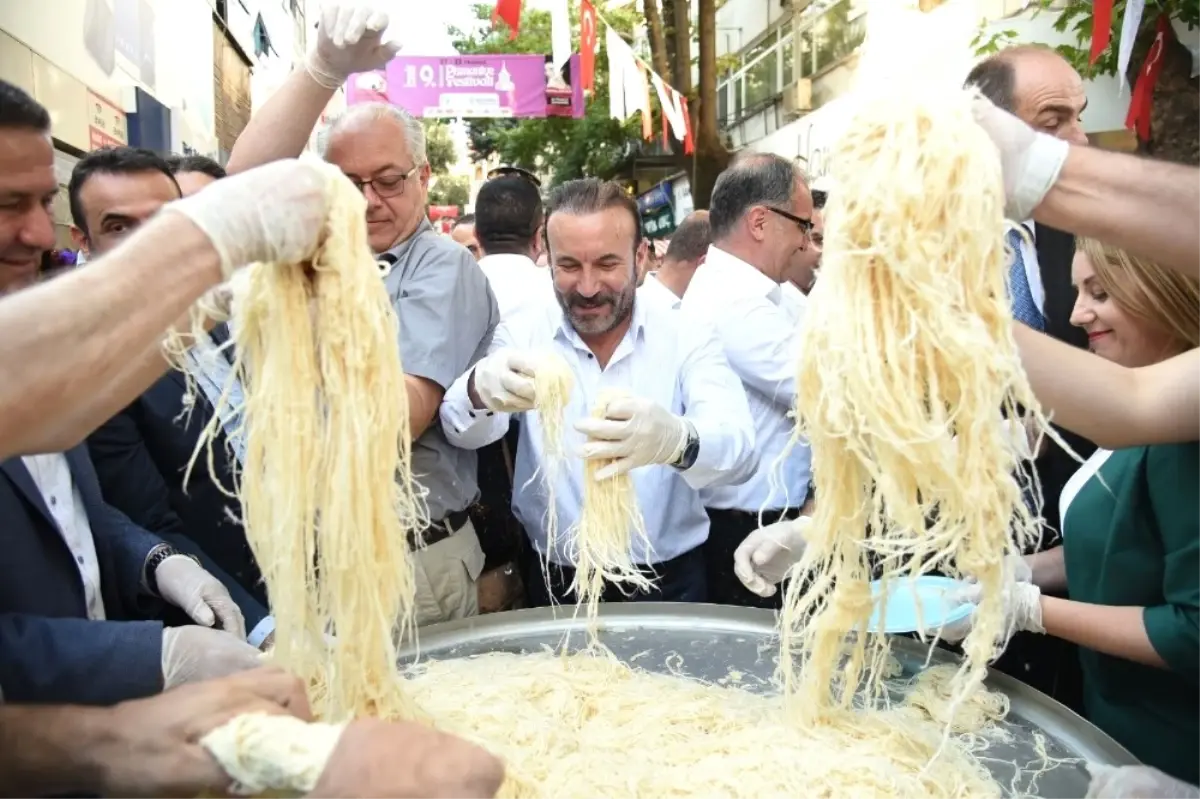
(672, 107)
(1129, 30)
(560, 34)
(615, 47)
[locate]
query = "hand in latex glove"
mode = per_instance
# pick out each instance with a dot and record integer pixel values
(1022, 610)
(274, 212)
(634, 432)
(378, 759)
(503, 381)
(1030, 160)
(349, 39)
(191, 654)
(186, 585)
(1136, 782)
(762, 560)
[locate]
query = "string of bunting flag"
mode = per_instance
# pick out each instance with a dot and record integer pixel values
(629, 77)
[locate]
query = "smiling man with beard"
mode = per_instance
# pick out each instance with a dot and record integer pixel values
(683, 423)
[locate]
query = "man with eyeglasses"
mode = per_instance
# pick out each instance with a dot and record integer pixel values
(760, 216)
(447, 311)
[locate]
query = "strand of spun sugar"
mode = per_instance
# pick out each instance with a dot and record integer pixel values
(908, 350)
(610, 524)
(553, 385)
(327, 491)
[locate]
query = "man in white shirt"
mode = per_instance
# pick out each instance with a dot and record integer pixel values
(508, 229)
(684, 426)
(761, 216)
(802, 276)
(685, 253)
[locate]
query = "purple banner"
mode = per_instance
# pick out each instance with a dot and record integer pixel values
(475, 86)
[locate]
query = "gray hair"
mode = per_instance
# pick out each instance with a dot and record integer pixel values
(414, 130)
(754, 179)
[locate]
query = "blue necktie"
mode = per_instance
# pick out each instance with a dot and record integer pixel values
(1025, 310)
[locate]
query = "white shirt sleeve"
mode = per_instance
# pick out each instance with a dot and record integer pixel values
(465, 426)
(715, 404)
(760, 343)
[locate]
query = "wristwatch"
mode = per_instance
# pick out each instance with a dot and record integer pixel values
(691, 450)
(155, 559)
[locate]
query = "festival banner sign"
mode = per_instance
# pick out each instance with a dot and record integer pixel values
(474, 86)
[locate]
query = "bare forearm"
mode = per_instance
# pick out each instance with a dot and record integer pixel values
(1110, 404)
(1049, 569)
(1144, 206)
(1110, 630)
(424, 399)
(280, 129)
(83, 346)
(51, 750)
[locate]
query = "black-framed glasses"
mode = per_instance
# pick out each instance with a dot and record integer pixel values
(805, 225)
(385, 185)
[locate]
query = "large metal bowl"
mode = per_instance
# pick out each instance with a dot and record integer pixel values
(709, 641)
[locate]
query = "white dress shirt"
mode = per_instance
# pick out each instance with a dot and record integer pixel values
(52, 475)
(758, 334)
(793, 300)
(677, 365)
(653, 290)
(517, 282)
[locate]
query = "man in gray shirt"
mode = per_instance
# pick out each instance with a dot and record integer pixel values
(447, 312)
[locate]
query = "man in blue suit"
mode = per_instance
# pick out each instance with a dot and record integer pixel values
(141, 455)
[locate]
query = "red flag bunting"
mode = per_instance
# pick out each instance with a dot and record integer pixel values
(1101, 28)
(510, 12)
(1140, 103)
(647, 115)
(689, 146)
(587, 45)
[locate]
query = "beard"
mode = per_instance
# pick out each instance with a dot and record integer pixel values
(618, 305)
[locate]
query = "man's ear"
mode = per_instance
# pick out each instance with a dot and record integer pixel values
(81, 240)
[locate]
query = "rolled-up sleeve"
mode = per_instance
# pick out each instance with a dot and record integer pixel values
(715, 404)
(447, 314)
(466, 426)
(1173, 472)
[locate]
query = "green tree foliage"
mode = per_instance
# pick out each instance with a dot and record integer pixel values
(594, 146)
(1076, 18)
(439, 146)
(450, 190)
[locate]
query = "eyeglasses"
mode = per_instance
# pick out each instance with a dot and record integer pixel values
(805, 225)
(384, 185)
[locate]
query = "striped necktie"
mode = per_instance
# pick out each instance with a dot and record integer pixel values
(1025, 310)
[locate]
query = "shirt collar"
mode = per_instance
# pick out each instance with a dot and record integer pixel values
(636, 332)
(398, 251)
(505, 260)
(746, 276)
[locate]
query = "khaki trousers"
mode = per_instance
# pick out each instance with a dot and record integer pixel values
(447, 573)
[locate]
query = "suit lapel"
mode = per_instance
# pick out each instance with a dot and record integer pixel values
(14, 469)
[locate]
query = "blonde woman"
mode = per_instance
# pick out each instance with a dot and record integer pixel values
(1130, 559)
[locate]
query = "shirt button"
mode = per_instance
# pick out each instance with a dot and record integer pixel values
(80, 559)
(590, 356)
(53, 500)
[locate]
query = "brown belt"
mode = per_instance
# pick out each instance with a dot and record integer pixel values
(450, 524)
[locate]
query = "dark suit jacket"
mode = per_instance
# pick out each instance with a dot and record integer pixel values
(49, 650)
(142, 454)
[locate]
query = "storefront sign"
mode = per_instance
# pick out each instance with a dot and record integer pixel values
(106, 123)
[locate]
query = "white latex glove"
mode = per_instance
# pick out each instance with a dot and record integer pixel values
(504, 381)
(274, 212)
(186, 585)
(1022, 610)
(192, 654)
(349, 40)
(1031, 161)
(1018, 567)
(1136, 782)
(634, 432)
(762, 560)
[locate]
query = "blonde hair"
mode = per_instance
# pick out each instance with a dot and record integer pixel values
(1153, 294)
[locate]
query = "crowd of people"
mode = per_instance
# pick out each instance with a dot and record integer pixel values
(122, 581)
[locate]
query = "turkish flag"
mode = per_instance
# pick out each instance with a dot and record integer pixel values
(587, 45)
(1142, 101)
(510, 12)
(689, 145)
(1101, 28)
